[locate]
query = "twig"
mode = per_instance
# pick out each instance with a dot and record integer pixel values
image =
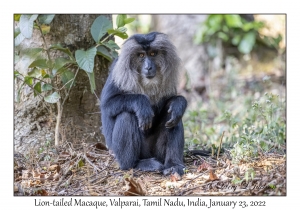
(102, 171)
(66, 172)
(70, 88)
(92, 164)
(180, 193)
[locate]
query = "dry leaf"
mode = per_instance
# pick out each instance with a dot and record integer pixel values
(100, 146)
(190, 176)
(26, 174)
(42, 178)
(41, 192)
(204, 166)
(175, 177)
(64, 155)
(133, 188)
(36, 174)
(91, 156)
(212, 175)
(53, 167)
(56, 176)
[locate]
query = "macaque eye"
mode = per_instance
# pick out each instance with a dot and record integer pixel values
(141, 55)
(153, 54)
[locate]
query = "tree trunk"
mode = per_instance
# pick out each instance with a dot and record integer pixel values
(34, 120)
(181, 29)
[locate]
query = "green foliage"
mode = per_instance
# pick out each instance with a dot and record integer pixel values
(52, 98)
(99, 28)
(253, 118)
(45, 19)
(234, 30)
(85, 59)
(44, 72)
(62, 49)
(67, 77)
(26, 25)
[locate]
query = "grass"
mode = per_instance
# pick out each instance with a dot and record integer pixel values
(251, 112)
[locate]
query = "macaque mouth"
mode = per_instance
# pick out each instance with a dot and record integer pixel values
(150, 76)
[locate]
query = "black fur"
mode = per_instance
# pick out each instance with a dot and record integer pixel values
(145, 39)
(143, 134)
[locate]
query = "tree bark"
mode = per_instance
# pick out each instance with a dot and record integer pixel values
(34, 120)
(181, 30)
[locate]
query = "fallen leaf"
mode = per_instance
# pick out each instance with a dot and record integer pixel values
(41, 192)
(212, 175)
(175, 177)
(53, 167)
(204, 166)
(133, 188)
(56, 176)
(42, 178)
(91, 156)
(26, 174)
(64, 155)
(100, 146)
(190, 176)
(36, 174)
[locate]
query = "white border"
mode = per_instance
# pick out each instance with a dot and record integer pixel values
(148, 7)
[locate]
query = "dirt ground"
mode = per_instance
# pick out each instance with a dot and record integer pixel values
(90, 170)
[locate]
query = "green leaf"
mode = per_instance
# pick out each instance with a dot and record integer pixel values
(236, 40)
(233, 20)
(45, 19)
(114, 54)
(128, 20)
(45, 29)
(80, 163)
(118, 33)
(223, 36)
(122, 29)
(59, 63)
(46, 87)
(111, 45)
(101, 50)
(53, 98)
(247, 43)
(61, 70)
(19, 39)
(62, 49)
(92, 81)
(214, 21)
(17, 17)
(85, 59)
(16, 32)
(16, 73)
(66, 78)
(28, 80)
(122, 35)
(35, 73)
(33, 17)
(37, 88)
(99, 27)
(32, 52)
(26, 25)
(41, 63)
(44, 73)
(121, 20)
(18, 36)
